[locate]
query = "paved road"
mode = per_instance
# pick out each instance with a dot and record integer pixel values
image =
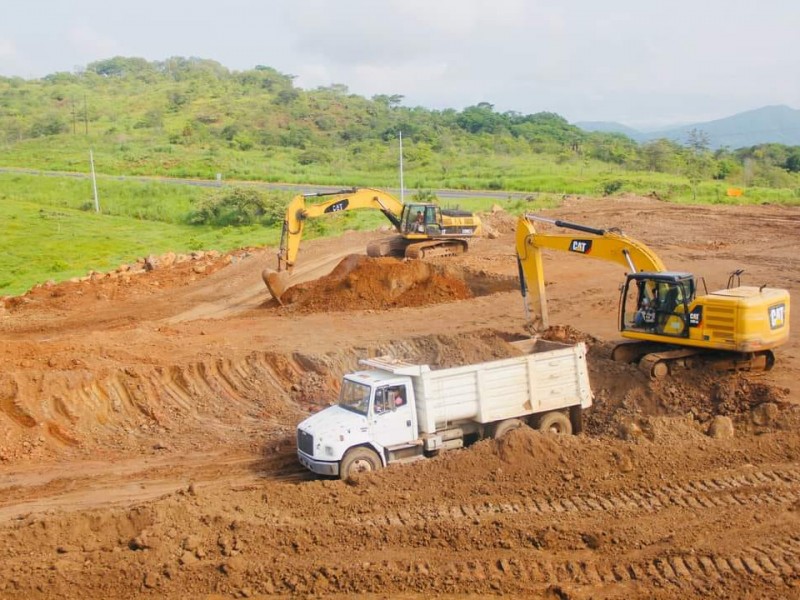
(298, 187)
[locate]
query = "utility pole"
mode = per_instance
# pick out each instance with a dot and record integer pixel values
(94, 183)
(402, 199)
(85, 115)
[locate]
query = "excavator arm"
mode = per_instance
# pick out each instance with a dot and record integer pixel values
(298, 211)
(604, 244)
(351, 199)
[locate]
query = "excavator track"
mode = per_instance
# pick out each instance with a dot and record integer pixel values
(390, 246)
(659, 364)
(630, 351)
(659, 360)
(435, 249)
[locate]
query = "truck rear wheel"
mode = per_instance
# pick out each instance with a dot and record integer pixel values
(555, 422)
(359, 460)
(503, 427)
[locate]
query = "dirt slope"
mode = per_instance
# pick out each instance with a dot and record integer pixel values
(147, 431)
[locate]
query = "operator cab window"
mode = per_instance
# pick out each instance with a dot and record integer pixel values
(415, 219)
(659, 305)
(390, 398)
(431, 222)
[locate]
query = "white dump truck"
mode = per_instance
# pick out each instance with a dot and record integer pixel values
(397, 411)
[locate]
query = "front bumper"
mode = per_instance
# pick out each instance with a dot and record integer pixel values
(320, 467)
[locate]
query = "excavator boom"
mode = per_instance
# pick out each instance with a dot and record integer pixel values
(298, 211)
(604, 244)
(350, 199)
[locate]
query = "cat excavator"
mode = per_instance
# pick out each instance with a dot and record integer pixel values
(423, 229)
(667, 323)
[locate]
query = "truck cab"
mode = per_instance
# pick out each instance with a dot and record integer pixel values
(376, 411)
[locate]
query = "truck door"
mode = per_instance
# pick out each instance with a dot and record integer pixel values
(392, 418)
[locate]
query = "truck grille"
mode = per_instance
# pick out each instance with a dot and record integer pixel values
(305, 442)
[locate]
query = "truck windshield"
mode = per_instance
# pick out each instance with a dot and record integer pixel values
(355, 397)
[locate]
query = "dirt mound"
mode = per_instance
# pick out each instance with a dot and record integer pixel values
(145, 276)
(445, 351)
(361, 282)
(498, 221)
(626, 399)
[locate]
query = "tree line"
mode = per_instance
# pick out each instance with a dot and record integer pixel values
(195, 103)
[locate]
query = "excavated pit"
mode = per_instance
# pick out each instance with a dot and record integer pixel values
(267, 527)
(138, 407)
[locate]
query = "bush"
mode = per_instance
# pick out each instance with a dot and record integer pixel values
(611, 187)
(238, 206)
(314, 155)
(425, 196)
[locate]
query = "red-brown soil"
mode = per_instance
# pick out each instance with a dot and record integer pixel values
(147, 430)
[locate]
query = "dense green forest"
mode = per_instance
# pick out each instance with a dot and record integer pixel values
(190, 117)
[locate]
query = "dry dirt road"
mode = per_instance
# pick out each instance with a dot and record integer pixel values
(147, 432)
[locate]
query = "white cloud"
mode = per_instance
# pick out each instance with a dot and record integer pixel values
(8, 49)
(11, 60)
(89, 42)
(622, 60)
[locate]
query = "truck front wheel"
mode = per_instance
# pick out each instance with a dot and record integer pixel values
(359, 460)
(555, 422)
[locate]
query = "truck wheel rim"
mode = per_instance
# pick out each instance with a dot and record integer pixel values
(362, 465)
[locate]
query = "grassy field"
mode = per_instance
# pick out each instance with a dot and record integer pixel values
(54, 233)
(43, 242)
(475, 168)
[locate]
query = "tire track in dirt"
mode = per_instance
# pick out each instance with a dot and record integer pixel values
(776, 561)
(733, 490)
(24, 494)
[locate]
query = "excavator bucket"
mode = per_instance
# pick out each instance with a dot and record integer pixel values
(277, 282)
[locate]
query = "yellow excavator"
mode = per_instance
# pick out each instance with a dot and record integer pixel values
(423, 229)
(664, 319)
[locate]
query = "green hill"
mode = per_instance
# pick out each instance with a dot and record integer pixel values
(191, 117)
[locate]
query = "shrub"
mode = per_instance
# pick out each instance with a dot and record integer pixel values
(611, 187)
(314, 155)
(425, 196)
(238, 206)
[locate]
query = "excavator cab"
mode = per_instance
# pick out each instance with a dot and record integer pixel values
(421, 219)
(658, 303)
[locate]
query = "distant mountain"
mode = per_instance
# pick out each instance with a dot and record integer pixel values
(770, 124)
(609, 127)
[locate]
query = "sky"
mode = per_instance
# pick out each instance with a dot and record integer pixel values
(643, 63)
